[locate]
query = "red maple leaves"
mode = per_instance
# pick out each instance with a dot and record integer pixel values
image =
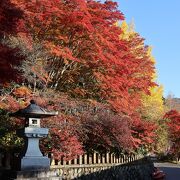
(74, 47)
(86, 51)
(174, 129)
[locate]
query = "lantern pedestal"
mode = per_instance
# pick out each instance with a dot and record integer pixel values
(33, 158)
(35, 163)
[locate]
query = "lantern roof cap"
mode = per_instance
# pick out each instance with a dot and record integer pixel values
(33, 111)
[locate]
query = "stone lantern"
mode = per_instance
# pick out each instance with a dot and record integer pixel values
(32, 158)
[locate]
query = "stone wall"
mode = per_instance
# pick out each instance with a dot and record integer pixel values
(139, 170)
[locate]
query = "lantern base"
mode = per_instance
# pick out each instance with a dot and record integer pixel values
(35, 163)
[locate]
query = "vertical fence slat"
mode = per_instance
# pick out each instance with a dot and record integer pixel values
(107, 157)
(80, 159)
(52, 162)
(90, 159)
(103, 159)
(125, 159)
(64, 161)
(114, 158)
(117, 158)
(99, 158)
(94, 158)
(85, 158)
(75, 161)
(59, 162)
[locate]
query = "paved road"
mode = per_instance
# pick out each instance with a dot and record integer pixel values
(172, 171)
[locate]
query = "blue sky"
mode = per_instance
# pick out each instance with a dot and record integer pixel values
(158, 21)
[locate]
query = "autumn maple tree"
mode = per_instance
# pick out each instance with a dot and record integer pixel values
(86, 56)
(174, 131)
(9, 16)
(73, 54)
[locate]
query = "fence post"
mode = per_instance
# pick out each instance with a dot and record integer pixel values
(53, 162)
(114, 158)
(117, 158)
(75, 170)
(80, 159)
(64, 161)
(75, 161)
(90, 158)
(99, 158)
(94, 158)
(126, 158)
(103, 158)
(129, 158)
(59, 162)
(107, 157)
(85, 158)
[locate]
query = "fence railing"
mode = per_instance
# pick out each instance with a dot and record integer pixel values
(82, 165)
(89, 163)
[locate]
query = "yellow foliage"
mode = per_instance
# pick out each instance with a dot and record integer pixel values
(153, 109)
(152, 105)
(127, 31)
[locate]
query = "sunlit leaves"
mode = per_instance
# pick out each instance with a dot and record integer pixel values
(75, 47)
(174, 130)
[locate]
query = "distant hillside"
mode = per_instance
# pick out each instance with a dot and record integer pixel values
(173, 103)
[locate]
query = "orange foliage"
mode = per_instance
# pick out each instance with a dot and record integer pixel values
(22, 92)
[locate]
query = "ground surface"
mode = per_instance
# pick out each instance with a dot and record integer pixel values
(172, 171)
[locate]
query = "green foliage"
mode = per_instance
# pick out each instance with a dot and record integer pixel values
(10, 141)
(161, 143)
(8, 138)
(4, 126)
